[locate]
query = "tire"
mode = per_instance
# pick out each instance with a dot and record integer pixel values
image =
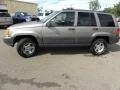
(99, 47)
(27, 47)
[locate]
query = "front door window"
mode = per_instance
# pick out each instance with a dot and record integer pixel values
(64, 19)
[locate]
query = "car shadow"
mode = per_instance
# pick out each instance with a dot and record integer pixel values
(63, 50)
(73, 50)
(2, 27)
(114, 48)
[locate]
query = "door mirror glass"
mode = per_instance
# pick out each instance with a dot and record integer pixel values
(51, 24)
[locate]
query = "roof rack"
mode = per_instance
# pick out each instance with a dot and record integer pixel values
(69, 9)
(82, 10)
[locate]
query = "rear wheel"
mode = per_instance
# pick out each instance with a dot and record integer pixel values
(99, 47)
(27, 47)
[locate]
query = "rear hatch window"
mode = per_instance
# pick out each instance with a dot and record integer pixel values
(4, 15)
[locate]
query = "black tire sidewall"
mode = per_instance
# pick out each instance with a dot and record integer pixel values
(20, 46)
(93, 45)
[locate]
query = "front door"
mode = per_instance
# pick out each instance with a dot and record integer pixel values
(61, 29)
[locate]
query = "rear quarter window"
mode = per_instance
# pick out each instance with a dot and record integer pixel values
(106, 20)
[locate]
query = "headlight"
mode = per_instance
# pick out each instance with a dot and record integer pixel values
(7, 33)
(28, 19)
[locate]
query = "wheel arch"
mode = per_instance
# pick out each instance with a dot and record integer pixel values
(107, 38)
(19, 37)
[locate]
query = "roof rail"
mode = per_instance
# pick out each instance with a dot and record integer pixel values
(82, 10)
(69, 9)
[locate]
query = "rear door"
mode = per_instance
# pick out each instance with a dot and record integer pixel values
(86, 25)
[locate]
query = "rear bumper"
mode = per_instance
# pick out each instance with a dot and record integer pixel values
(114, 40)
(6, 23)
(8, 41)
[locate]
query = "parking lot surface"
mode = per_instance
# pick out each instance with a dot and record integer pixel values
(59, 69)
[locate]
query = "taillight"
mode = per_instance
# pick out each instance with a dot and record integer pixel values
(117, 32)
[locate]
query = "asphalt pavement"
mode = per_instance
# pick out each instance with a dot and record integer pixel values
(59, 69)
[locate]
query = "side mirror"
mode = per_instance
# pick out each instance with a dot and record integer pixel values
(18, 15)
(50, 24)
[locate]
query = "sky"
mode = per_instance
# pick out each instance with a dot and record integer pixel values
(77, 4)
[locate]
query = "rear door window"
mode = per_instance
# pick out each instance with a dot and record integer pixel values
(106, 20)
(86, 19)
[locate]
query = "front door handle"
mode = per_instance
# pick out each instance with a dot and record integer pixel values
(71, 29)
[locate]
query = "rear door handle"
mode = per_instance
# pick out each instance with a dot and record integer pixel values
(95, 29)
(71, 29)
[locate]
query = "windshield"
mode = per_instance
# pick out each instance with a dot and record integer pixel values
(46, 14)
(40, 14)
(25, 14)
(49, 16)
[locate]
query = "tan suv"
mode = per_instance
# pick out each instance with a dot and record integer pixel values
(5, 18)
(65, 28)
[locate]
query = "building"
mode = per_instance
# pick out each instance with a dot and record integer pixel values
(16, 6)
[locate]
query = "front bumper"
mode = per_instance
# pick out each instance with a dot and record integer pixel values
(8, 41)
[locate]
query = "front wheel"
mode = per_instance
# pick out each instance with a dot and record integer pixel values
(27, 47)
(98, 47)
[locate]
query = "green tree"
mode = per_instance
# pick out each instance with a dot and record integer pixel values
(109, 10)
(94, 5)
(40, 9)
(114, 10)
(117, 9)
